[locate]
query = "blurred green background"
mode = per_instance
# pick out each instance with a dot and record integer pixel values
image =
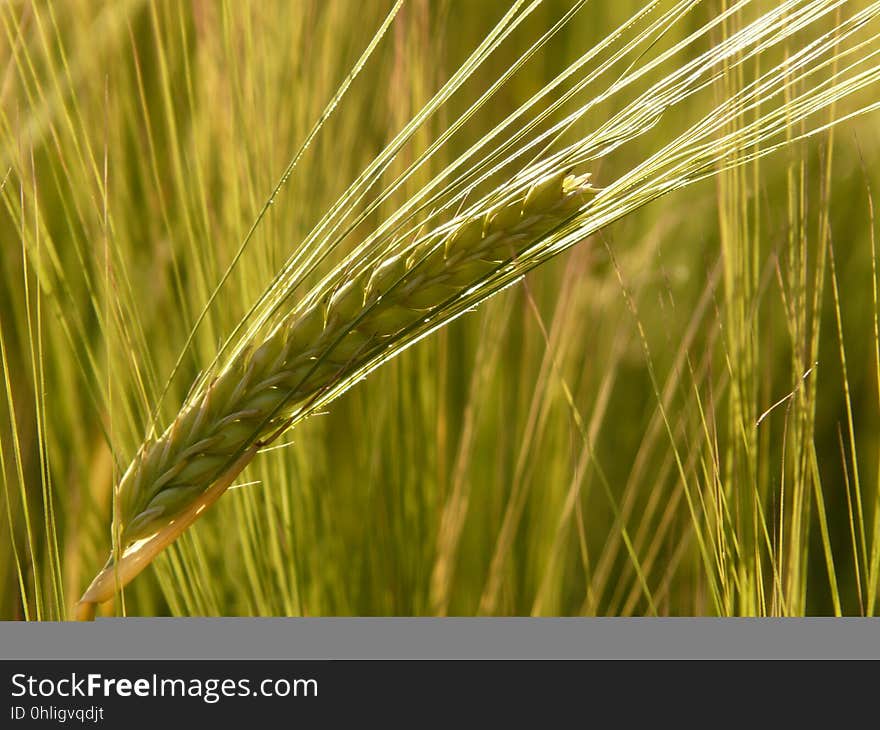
(589, 441)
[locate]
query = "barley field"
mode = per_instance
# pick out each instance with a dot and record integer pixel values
(438, 307)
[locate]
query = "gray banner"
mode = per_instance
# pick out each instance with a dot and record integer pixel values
(452, 638)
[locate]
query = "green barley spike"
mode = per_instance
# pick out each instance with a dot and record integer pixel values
(174, 478)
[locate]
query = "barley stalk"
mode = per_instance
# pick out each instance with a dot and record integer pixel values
(175, 477)
(346, 328)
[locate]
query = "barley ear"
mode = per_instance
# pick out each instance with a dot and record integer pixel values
(176, 477)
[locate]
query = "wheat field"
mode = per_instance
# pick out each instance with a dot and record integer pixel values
(435, 307)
